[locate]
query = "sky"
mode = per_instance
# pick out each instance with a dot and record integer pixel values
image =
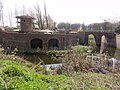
(72, 11)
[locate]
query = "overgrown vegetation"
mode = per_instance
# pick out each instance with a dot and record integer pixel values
(94, 81)
(80, 49)
(18, 74)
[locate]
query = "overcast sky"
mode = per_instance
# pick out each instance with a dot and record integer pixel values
(73, 11)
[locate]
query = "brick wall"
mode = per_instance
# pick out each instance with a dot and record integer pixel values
(22, 41)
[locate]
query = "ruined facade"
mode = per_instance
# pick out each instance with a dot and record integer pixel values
(26, 40)
(26, 23)
(32, 41)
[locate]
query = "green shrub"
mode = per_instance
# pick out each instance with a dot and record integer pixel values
(2, 84)
(80, 49)
(17, 76)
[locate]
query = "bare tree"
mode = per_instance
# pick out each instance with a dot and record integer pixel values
(23, 11)
(46, 16)
(43, 21)
(39, 18)
(16, 11)
(31, 12)
(1, 14)
(10, 18)
(51, 23)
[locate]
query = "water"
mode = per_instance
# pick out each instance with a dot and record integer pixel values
(36, 58)
(47, 59)
(113, 52)
(117, 54)
(50, 66)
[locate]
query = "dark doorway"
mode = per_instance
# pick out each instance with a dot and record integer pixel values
(53, 44)
(36, 43)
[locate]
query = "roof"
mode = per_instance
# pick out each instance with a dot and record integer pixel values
(46, 31)
(25, 16)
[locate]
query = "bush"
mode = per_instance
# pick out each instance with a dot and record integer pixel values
(17, 76)
(80, 49)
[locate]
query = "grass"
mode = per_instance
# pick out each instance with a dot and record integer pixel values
(95, 81)
(17, 74)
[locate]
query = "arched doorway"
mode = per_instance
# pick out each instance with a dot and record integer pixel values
(53, 44)
(36, 43)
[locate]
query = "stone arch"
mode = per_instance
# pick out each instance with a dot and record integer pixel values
(36, 43)
(53, 44)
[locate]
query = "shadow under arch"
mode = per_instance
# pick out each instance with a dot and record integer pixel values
(108, 44)
(36, 43)
(53, 44)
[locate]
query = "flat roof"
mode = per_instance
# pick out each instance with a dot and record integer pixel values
(25, 16)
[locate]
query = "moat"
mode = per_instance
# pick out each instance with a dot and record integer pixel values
(49, 59)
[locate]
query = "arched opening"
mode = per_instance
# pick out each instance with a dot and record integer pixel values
(91, 40)
(53, 44)
(36, 43)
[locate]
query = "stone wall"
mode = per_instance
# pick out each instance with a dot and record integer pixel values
(118, 41)
(22, 41)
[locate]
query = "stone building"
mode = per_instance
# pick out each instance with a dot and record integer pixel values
(26, 40)
(29, 40)
(26, 23)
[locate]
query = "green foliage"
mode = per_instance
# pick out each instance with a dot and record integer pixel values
(73, 26)
(16, 76)
(19, 77)
(92, 42)
(57, 54)
(91, 37)
(80, 49)
(2, 84)
(63, 25)
(15, 51)
(53, 52)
